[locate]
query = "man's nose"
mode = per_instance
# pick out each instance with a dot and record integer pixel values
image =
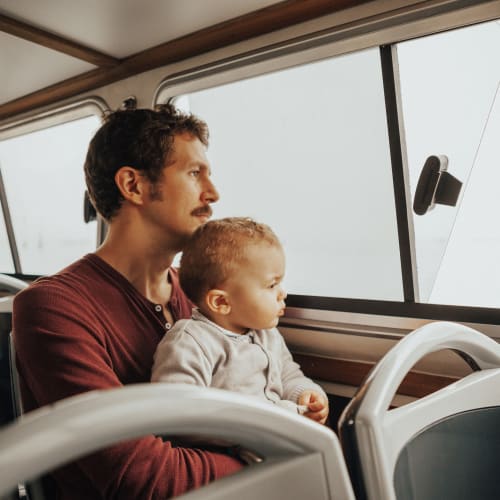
(210, 193)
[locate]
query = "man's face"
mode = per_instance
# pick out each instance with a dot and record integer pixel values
(180, 200)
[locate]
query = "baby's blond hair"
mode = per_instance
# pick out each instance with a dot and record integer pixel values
(215, 249)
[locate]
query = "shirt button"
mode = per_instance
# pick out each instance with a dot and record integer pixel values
(158, 307)
(168, 326)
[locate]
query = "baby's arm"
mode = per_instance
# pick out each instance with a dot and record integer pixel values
(310, 398)
(179, 359)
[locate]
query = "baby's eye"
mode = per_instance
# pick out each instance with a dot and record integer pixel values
(273, 285)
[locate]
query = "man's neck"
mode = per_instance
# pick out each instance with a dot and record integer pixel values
(140, 262)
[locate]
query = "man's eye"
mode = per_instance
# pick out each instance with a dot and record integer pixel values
(195, 173)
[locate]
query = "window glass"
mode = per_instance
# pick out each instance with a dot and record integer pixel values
(6, 262)
(44, 183)
(306, 151)
(451, 106)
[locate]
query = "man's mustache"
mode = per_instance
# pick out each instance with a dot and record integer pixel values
(205, 210)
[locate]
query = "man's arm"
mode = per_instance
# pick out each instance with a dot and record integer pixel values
(60, 355)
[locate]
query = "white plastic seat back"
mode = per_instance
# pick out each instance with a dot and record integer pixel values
(302, 459)
(10, 284)
(417, 451)
(17, 404)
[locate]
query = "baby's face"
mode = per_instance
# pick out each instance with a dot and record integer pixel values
(255, 292)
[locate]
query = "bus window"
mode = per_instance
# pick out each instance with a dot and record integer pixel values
(306, 150)
(6, 262)
(451, 106)
(43, 174)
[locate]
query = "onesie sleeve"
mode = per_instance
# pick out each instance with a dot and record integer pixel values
(180, 359)
(293, 379)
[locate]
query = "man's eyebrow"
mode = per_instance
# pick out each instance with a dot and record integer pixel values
(204, 166)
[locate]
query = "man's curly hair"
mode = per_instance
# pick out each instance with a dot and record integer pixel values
(138, 138)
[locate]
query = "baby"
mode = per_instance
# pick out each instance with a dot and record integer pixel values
(232, 270)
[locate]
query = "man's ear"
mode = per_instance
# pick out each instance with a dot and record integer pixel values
(131, 184)
(217, 301)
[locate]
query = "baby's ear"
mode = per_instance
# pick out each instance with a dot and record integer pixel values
(217, 301)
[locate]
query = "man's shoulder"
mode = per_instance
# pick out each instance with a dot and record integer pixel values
(75, 279)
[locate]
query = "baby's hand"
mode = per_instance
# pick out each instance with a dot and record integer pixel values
(316, 403)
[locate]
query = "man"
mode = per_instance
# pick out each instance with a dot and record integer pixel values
(96, 324)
